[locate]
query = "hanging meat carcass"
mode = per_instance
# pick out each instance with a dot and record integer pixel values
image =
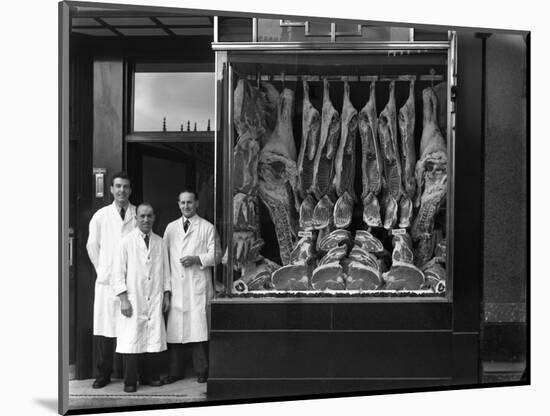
(408, 158)
(246, 155)
(311, 128)
(440, 91)
(403, 274)
(387, 133)
(271, 101)
(344, 163)
(249, 118)
(323, 166)
(431, 179)
(244, 212)
(277, 176)
(249, 110)
(371, 161)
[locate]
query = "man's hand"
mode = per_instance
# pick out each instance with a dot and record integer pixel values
(166, 302)
(125, 305)
(126, 308)
(188, 261)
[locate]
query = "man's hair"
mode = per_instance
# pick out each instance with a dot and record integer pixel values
(189, 191)
(121, 175)
(145, 204)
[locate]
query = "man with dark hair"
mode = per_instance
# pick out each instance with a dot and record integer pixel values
(107, 227)
(193, 248)
(142, 282)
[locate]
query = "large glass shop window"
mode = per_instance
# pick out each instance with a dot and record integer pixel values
(340, 172)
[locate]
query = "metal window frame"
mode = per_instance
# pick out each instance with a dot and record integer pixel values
(224, 136)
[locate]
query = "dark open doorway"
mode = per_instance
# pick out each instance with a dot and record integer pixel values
(161, 170)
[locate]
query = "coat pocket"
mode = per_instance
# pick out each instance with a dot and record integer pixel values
(104, 274)
(199, 283)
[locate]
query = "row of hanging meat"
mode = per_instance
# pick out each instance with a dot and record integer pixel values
(312, 190)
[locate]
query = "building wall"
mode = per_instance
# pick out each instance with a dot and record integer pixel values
(505, 201)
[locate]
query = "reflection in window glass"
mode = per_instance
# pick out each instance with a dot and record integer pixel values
(170, 101)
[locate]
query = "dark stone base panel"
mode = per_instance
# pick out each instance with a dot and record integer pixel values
(338, 316)
(505, 341)
(466, 368)
(330, 354)
(235, 389)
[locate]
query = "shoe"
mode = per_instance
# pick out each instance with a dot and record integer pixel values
(202, 378)
(170, 379)
(153, 383)
(130, 388)
(100, 382)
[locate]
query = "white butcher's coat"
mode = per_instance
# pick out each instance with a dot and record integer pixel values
(143, 274)
(105, 233)
(191, 286)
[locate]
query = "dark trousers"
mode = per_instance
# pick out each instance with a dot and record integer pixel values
(104, 353)
(198, 352)
(145, 365)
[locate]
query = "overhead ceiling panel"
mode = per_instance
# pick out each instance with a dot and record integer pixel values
(128, 21)
(185, 21)
(94, 32)
(84, 21)
(193, 31)
(142, 31)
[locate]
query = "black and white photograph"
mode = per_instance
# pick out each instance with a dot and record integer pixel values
(284, 208)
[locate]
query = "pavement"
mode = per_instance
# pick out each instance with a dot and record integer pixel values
(83, 396)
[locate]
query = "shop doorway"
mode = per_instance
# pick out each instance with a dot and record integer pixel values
(161, 170)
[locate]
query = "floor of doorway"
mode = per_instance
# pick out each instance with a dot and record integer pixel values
(83, 396)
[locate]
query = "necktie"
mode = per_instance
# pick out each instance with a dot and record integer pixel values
(146, 238)
(122, 213)
(186, 225)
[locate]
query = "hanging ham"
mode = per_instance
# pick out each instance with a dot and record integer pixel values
(323, 169)
(387, 133)
(371, 161)
(311, 128)
(344, 163)
(408, 158)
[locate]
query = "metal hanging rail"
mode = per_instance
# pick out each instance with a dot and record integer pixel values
(350, 78)
(390, 48)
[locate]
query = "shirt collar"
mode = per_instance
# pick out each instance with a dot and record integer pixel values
(142, 235)
(190, 219)
(127, 207)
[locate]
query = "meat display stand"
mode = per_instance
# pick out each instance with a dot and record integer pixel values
(326, 290)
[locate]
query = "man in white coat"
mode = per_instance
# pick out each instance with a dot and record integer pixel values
(142, 283)
(107, 227)
(193, 248)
